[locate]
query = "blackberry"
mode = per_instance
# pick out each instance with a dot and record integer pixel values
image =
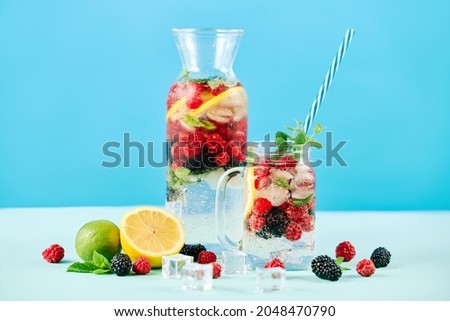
(380, 257)
(325, 268)
(200, 163)
(192, 250)
(121, 264)
(275, 224)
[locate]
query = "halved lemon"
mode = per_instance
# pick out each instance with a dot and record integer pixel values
(151, 232)
(249, 191)
(179, 105)
(235, 92)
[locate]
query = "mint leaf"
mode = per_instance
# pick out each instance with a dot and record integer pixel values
(282, 135)
(82, 267)
(100, 261)
(314, 143)
(300, 202)
(182, 173)
(101, 271)
(318, 128)
(184, 75)
(283, 183)
(197, 122)
(192, 121)
(300, 138)
(343, 268)
(215, 82)
(339, 260)
(208, 125)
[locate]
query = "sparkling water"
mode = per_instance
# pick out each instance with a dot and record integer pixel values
(295, 255)
(195, 206)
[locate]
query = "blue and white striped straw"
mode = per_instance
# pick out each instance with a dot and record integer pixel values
(328, 78)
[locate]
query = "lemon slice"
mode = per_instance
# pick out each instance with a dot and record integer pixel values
(249, 191)
(232, 92)
(151, 232)
(176, 108)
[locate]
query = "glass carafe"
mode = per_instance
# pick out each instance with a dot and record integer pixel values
(206, 125)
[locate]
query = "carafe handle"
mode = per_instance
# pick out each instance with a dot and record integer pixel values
(220, 209)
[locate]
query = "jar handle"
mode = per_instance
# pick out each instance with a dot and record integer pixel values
(220, 209)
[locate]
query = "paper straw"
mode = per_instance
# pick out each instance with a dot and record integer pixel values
(328, 78)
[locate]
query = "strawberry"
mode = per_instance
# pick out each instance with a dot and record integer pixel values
(262, 182)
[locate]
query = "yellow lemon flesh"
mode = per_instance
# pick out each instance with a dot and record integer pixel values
(249, 191)
(234, 91)
(151, 232)
(179, 107)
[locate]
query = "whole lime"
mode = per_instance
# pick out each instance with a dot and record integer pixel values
(102, 236)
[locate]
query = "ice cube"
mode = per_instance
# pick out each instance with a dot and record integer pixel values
(277, 195)
(270, 279)
(281, 174)
(173, 264)
(234, 262)
(197, 276)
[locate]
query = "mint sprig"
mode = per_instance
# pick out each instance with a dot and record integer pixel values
(339, 260)
(199, 123)
(302, 201)
(296, 139)
(98, 265)
(283, 183)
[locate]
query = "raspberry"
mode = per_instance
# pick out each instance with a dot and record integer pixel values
(345, 250)
(217, 90)
(172, 96)
(239, 136)
(380, 257)
(296, 214)
(235, 150)
(217, 270)
(205, 257)
(325, 268)
(121, 264)
(53, 254)
(141, 266)
(307, 222)
(312, 204)
(365, 267)
(293, 231)
(215, 144)
(256, 223)
(192, 250)
(222, 159)
(286, 162)
(261, 206)
(276, 262)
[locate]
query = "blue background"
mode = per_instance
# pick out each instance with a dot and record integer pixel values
(77, 74)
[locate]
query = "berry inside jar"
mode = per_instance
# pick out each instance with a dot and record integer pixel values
(206, 128)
